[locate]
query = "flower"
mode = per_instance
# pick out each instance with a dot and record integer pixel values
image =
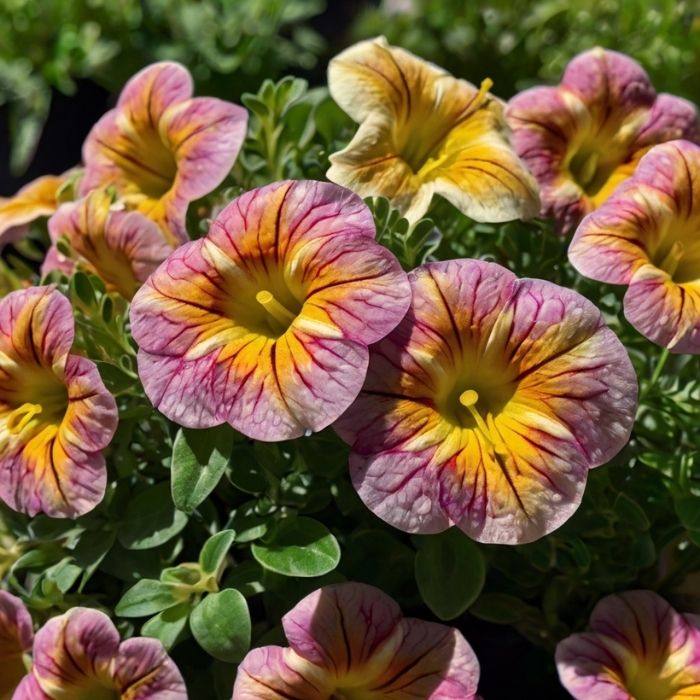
(122, 248)
(351, 641)
(487, 405)
(423, 132)
(264, 323)
(78, 655)
(161, 148)
(584, 137)
(55, 413)
(15, 640)
(38, 198)
(638, 646)
(647, 236)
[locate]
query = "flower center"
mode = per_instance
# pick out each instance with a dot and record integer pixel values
(647, 684)
(146, 162)
(33, 406)
(279, 317)
(421, 138)
(488, 429)
(591, 169)
(678, 251)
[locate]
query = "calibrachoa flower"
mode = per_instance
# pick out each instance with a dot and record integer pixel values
(37, 199)
(161, 148)
(55, 413)
(121, 247)
(488, 404)
(15, 640)
(423, 132)
(647, 236)
(264, 323)
(582, 138)
(79, 656)
(351, 641)
(638, 647)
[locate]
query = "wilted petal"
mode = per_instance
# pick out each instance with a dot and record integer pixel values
(585, 137)
(424, 132)
(119, 247)
(15, 640)
(160, 148)
(646, 236)
(265, 322)
(637, 646)
(55, 414)
(487, 405)
(38, 198)
(350, 640)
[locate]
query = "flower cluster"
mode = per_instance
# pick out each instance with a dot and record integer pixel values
(465, 395)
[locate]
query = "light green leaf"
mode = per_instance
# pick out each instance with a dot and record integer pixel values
(299, 547)
(169, 626)
(221, 625)
(214, 551)
(148, 597)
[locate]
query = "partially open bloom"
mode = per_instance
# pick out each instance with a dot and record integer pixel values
(584, 137)
(264, 323)
(487, 405)
(79, 656)
(647, 236)
(161, 148)
(55, 414)
(638, 647)
(38, 198)
(351, 641)
(15, 640)
(120, 247)
(423, 132)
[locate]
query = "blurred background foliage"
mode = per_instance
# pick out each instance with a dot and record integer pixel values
(50, 47)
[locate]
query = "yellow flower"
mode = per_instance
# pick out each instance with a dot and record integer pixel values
(423, 132)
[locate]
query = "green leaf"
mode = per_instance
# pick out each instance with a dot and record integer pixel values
(450, 572)
(151, 519)
(198, 462)
(114, 377)
(169, 626)
(688, 511)
(214, 551)
(221, 625)
(299, 547)
(501, 608)
(148, 597)
(91, 549)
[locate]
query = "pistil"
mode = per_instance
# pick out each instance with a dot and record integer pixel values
(20, 418)
(469, 399)
(277, 311)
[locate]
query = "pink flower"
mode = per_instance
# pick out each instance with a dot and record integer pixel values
(161, 148)
(584, 137)
(351, 641)
(79, 656)
(638, 647)
(15, 641)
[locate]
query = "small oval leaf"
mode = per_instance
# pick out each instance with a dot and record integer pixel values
(299, 547)
(221, 625)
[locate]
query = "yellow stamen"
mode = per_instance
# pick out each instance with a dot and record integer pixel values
(18, 420)
(588, 169)
(672, 258)
(469, 399)
(280, 313)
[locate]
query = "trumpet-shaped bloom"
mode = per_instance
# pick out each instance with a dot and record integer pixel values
(351, 641)
(37, 199)
(647, 236)
(15, 640)
(122, 248)
(79, 656)
(264, 323)
(638, 647)
(487, 405)
(423, 132)
(161, 148)
(584, 137)
(55, 414)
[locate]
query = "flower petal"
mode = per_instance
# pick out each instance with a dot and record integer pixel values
(15, 639)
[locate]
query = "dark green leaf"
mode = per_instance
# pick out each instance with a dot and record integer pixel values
(214, 551)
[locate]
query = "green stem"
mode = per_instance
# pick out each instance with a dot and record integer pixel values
(657, 372)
